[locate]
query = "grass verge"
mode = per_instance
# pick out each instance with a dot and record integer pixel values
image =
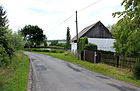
(14, 76)
(118, 73)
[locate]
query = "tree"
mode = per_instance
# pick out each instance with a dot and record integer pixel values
(45, 41)
(3, 18)
(132, 11)
(16, 40)
(33, 34)
(6, 50)
(68, 39)
(127, 32)
(112, 28)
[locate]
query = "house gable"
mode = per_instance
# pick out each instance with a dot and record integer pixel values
(97, 30)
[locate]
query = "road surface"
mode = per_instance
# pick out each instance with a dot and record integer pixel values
(51, 74)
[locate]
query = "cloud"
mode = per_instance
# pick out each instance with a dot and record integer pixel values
(48, 14)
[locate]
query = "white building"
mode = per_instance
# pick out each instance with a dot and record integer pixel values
(97, 34)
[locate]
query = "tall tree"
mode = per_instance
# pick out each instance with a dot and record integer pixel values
(3, 18)
(68, 38)
(4, 41)
(33, 34)
(127, 32)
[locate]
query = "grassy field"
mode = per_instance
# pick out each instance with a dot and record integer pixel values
(14, 77)
(118, 73)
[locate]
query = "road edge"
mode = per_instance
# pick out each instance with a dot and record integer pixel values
(29, 78)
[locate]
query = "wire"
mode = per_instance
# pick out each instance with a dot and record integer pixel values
(74, 14)
(89, 5)
(62, 22)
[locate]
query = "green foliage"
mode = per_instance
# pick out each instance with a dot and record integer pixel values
(112, 28)
(4, 57)
(16, 40)
(55, 47)
(91, 47)
(3, 18)
(127, 32)
(8, 42)
(82, 42)
(106, 52)
(136, 69)
(54, 43)
(132, 10)
(68, 39)
(61, 44)
(5, 41)
(34, 34)
(45, 42)
(27, 44)
(6, 50)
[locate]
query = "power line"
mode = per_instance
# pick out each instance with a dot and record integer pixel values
(89, 5)
(74, 14)
(62, 22)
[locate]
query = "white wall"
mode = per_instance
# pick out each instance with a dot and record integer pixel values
(73, 47)
(102, 44)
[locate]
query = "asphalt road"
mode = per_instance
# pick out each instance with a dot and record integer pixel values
(51, 74)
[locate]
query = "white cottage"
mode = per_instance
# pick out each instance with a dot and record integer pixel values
(98, 34)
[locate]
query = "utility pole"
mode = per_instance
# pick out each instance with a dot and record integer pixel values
(77, 34)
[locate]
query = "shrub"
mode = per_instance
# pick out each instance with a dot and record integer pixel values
(91, 47)
(106, 52)
(4, 57)
(136, 69)
(61, 51)
(82, 42)
(53, 51)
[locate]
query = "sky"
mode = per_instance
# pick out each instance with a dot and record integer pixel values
(53, 15)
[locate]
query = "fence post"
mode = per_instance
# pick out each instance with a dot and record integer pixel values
(117, 61)
(84, 55)
(95, 57)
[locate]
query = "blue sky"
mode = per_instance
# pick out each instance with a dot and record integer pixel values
(48, 14)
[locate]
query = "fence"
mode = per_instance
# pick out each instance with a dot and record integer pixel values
(113, 60)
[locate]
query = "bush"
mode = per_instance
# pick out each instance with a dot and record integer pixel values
(136, 69)
(4, 57)
(91, 47)
(61, 51)
(53, 51)
(61, 44)
(106, 52)
(82, 42)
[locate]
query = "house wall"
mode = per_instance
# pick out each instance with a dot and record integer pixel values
(102, 44)
(73, 47)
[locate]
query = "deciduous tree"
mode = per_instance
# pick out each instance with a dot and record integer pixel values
(34, 34)
(127, 32)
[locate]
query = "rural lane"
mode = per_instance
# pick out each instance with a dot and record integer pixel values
(52, 74)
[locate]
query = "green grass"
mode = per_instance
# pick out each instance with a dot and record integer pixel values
(118, 73)
(14, 76)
